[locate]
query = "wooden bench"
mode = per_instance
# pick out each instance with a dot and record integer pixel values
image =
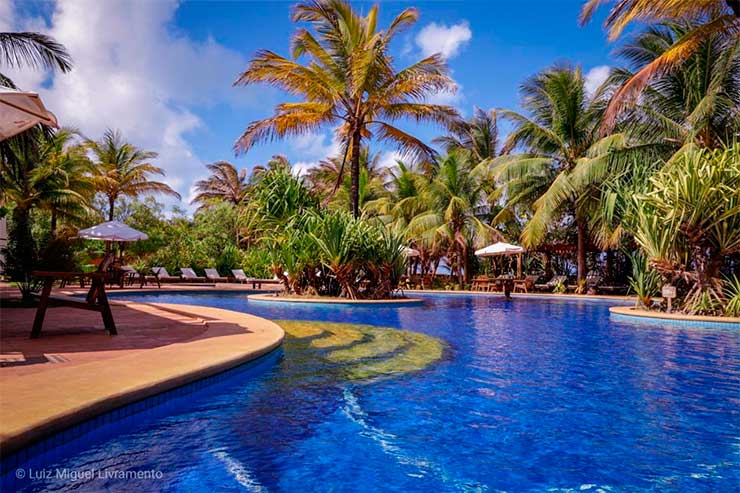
(96, 299)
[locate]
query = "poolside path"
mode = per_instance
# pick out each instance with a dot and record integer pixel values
(76, 370)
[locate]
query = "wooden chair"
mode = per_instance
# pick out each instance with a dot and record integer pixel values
(96, 299)
(524, 285)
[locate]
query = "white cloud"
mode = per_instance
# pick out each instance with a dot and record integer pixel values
(453, 98)
(389, 159)
(133, 73)
(595, 77)
(312, 148)
(447, 41)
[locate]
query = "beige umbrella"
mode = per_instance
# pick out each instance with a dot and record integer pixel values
(502, 248)
(112, 231)
(20, 111)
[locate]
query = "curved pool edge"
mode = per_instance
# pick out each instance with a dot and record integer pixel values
(37, 406)
(333, 301)
(634, 314)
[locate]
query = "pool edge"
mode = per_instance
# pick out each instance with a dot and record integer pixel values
(632, 313)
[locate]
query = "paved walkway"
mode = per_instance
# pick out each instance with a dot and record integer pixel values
(76, 370)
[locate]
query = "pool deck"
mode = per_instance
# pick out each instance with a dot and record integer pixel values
(75, 370)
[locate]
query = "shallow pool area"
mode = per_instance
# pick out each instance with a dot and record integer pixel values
(524, 395)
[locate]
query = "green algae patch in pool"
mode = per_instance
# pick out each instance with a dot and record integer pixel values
(363, 352)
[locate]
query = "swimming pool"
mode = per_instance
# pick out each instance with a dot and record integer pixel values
(529, 395)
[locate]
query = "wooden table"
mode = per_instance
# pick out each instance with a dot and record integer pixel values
(96, 299)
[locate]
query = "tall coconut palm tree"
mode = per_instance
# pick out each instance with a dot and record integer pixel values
(121, 169)
(226, 184)
(348, 82)
(716, 17)
(560, 131)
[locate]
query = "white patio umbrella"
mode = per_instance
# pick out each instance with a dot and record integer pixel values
(20, 111)
(499, 248)
(112, 231)
(502, 248)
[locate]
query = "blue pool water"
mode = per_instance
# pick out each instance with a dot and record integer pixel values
(531, 395)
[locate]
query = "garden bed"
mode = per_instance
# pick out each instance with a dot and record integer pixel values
(292, 298)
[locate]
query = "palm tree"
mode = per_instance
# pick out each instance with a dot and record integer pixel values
(561, 131)
(226, 184)
(478, 136)
(349, 81)
(63, 177)
(328, 182)
(716, 17)
(699, 101)
(451, 218)
(123, 169)
(31, 50)
(37, 170)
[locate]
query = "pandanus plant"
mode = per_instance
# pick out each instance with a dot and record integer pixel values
(689, 221)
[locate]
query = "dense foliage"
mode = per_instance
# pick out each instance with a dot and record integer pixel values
(637, 182)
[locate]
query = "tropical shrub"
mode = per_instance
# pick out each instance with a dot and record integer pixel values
(644, 282)
(688, 222)
(732, 294)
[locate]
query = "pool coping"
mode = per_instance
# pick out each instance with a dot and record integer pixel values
(550, 296)
(42, 406)
(677, 318)
(334, 301)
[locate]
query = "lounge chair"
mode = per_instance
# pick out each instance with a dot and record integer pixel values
(213, 275)
(524, 285)
(593, 281)
(161, 275)
(239, 275)
(189, 274)
(550, 285)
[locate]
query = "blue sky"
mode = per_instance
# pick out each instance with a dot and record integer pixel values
(161, 70)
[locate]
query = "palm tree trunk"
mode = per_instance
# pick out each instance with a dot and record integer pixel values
(20, 254)
(53, 222)
(581, 249)
(355, 174)
(111, 207)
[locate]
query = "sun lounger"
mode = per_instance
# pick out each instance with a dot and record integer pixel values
(550, 285)
(213, 275)
(161, 275)
(189, 274)
(239, 275)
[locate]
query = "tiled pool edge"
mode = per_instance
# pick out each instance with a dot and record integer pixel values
(628, 313)
(110, 422)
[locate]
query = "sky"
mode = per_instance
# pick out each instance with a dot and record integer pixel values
(161, 71)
